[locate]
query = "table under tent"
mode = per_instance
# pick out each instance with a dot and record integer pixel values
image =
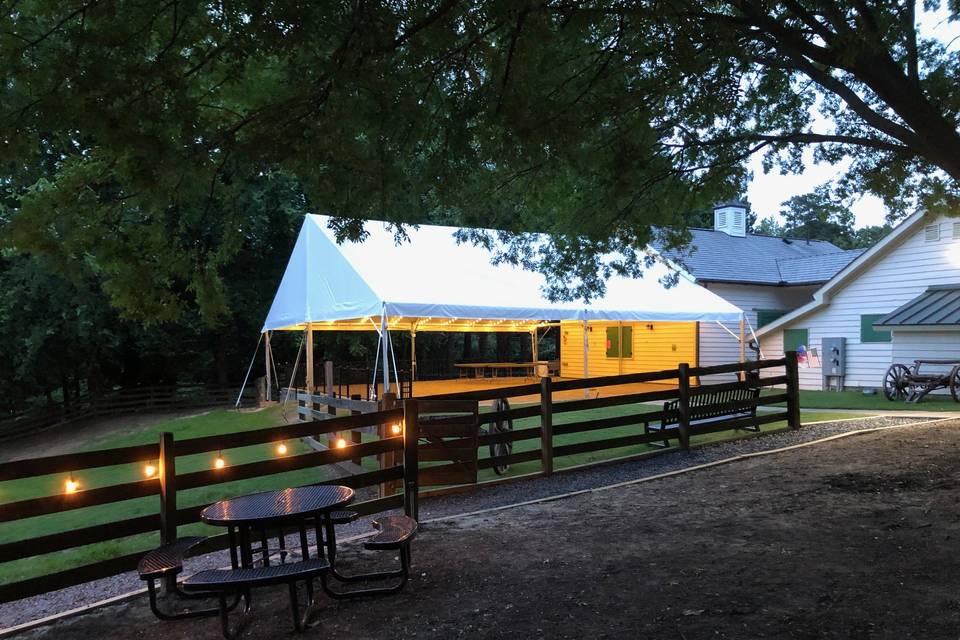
(428, 282)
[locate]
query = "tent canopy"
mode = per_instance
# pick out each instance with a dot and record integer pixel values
(431, 277)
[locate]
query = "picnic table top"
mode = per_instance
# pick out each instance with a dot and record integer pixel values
(277, 505)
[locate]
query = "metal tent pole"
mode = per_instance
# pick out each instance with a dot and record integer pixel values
(385, 349)
(267, 357)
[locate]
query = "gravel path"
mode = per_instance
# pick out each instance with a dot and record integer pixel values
(17, 613)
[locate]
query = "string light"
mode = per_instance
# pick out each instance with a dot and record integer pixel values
(219, 462)
(396, 429)
(341, 443)
(71, 485)
(282, 449)
(149, 470)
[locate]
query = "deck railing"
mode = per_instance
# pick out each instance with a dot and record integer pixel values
(399, 473)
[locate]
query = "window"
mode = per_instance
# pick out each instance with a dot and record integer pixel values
(617, 348)
(931, 233)
(766, 316)
(868, 333)
(721, 219)
(793, 338)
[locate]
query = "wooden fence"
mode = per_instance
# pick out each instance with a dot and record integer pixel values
(119, 402)
(165, 484)
(402, 454)
(674, 385)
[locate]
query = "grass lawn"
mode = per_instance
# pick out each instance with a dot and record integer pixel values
(225, 421)
(856, 400)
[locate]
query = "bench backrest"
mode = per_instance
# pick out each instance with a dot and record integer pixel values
(718, 404)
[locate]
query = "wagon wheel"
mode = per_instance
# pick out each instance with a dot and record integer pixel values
(498, 449)
(955, 384)
(896, 382)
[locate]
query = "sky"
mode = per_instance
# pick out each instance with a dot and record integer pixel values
(767, 191)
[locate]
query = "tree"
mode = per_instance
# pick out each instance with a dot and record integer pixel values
(131, 128)
(818, 216)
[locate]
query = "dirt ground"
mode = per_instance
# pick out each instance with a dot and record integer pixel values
(856, 538)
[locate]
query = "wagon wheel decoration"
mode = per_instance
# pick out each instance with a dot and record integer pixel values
(502, 425)
(955, 384)
(896, 382)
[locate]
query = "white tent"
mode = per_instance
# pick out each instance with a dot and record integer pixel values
(432, 277)
(431, 283)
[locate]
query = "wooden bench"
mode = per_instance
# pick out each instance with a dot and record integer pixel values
(166, 562)
(223, 582)
(395, 533)
(710, 407)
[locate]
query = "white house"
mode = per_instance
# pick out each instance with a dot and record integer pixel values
(896, 302)
(766, 276)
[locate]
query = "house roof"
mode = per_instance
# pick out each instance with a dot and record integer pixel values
(714, 256)
(815, 269)
(434, 277)
(821, 297)
(935, 307)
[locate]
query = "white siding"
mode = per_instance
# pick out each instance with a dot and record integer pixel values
(898, 276)
(719, 347)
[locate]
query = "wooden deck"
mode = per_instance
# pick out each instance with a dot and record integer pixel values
(423, 388)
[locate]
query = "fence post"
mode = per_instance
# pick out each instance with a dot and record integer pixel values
(546, 425)
(411, 435)
(683, 405)
(793, 390)
(388, 459)
(355, 436)
(168, 495)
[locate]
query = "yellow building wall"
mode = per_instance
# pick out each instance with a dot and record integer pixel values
(663, 346)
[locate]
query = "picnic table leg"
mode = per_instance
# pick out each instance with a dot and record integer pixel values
(264, 547)
(304, 548)
(282, 544)
(246, 555)
(234, 563)
(331, 539)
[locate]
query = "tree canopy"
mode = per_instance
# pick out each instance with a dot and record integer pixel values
(133, 130)
(820, 215)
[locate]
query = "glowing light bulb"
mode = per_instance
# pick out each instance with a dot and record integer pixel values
(396, 429)
(149, 470)
(219, 463)
(281, 449)
(71, 485)
(341, 443)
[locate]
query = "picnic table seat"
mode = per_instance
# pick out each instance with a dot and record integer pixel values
(740, 402)
(343, 517)
(167, 562)
(394, 533)
(223, 582)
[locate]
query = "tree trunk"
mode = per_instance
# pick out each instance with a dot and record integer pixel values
(482, 346)
(467, 353)
(220, 356)
(526, 353)
(503, 347)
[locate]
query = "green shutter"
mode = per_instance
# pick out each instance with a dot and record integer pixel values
(766, 316)
(613, 342)
(793, 338)
(869, 334)
(627, 342)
